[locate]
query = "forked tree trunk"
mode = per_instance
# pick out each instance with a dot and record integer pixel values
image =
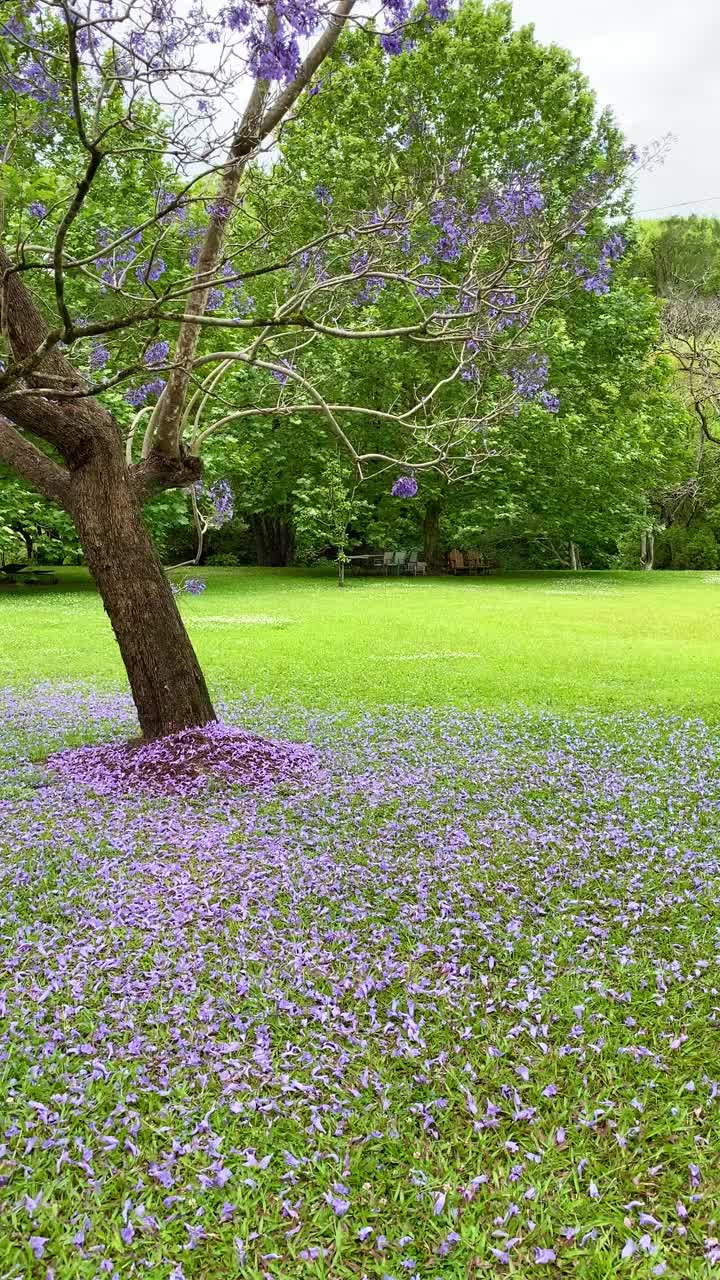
(167, 684)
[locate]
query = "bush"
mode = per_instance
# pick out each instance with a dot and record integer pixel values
(689, 548)
(224, 559)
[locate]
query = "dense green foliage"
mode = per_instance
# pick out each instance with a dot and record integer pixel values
(679, 258)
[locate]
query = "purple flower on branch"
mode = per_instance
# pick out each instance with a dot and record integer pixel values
(392, 43)
(157, 353)
(405, 487)
(37, 210)
(34, 82)
(221, 498)
(99, 357)
(274, 56)
(138, 395)
(529, 382)
(149, 272)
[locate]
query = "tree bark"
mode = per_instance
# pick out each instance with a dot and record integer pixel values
(167, 684)
(27, 539)
(647, 550)
(273, 540)
(104, 497)
(431, 535)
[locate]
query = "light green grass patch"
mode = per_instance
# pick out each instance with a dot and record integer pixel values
(563, 641)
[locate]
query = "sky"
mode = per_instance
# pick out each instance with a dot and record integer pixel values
(657, 64)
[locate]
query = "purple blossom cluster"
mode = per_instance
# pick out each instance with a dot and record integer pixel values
(405, 487)
(138, 396)
(99, 357)
(222, 502)
(156, 353)
(150, 272)
(455, 224)
(191, 587)
(447, 998)
(515, 205)
(521, 198)
(597, 279)
(370, 291)
(114, 266)
(503, 310)
(530, 382)
(33, 81)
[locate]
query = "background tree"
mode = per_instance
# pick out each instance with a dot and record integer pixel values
(476, 92)
(32, 528)
(680, 258)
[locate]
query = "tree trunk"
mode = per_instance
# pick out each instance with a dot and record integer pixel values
(431, 535)
(575, 562)
(273, 540)
(167, 683)
(27, 539)
(647, 550)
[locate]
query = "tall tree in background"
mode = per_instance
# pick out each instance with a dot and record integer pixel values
(162, 302)
(680, 259)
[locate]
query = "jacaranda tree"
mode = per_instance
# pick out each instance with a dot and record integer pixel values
(194, 289)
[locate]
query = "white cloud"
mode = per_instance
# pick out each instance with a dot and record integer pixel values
(655, 63)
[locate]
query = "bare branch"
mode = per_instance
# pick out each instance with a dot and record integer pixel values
(257, 123)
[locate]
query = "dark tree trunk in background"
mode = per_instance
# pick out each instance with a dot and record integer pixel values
(167, 684)
(27, 539)
(274, 542)
(432, 555)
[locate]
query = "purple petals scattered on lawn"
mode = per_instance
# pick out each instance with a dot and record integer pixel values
(430, 1007)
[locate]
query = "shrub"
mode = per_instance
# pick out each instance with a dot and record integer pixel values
(224, 559)
(689, 548)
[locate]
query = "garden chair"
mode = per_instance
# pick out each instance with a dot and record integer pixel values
(414, 566)
(473, 561)
(399, 561)
(27, 574)
(456, 561)
(387, 561)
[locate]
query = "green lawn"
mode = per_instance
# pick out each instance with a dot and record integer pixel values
(595, 640)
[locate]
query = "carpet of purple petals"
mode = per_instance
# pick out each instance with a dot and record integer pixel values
(447, 1006)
